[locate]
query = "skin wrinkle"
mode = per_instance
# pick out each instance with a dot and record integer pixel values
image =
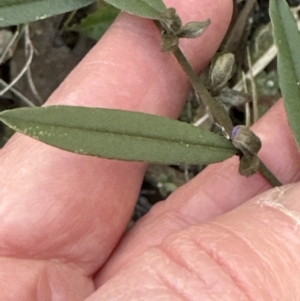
(166, 217)
(272, 273)
(284, 262)
(165, 266)
(164, 273)
(183, 263)
(178, 245)
(225, 269)
(269, 239)
(280, 259)
(178, 260)
(173, 289)
(249, 247)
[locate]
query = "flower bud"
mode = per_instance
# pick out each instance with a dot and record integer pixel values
(193, 29)
(221, 71)
(249, 145)
(245, 140)
(170, 21)
(233, 98)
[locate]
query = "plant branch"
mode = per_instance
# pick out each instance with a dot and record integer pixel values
(216, 109)
(268, 175)
(252, 163)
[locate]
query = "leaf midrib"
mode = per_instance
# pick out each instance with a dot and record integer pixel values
(123, 134)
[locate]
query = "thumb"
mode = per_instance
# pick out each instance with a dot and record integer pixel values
(250, 253)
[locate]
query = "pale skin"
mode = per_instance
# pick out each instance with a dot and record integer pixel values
(62, 215)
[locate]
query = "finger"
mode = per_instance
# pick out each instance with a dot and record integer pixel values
(39, 280)
(251, 253)
(218, 189)
(75, 208)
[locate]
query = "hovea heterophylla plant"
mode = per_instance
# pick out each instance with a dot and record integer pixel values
(142, 137)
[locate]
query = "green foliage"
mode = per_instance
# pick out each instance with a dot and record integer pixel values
(288, 42)
(152, 9)
(13, 12)
(95, 24)
(122, 135)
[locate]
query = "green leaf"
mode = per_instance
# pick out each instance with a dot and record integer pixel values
(95, 24)
(13, 12)
(287, 39)
(152, 9)
(117, 134)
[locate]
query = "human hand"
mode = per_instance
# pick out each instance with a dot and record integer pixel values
(62, 215)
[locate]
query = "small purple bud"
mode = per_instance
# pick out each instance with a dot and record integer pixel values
(245, 140)
(235, 131)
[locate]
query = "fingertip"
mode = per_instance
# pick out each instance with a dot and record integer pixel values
(128, 70)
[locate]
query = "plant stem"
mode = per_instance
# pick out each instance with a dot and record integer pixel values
(216, 109)
(268, 175)
(253, 88)
(69, 19)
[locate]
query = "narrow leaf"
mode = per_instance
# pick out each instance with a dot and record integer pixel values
(95, 24)
(13, 12)
(152, 9)
(117, 134)
(287, 39)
